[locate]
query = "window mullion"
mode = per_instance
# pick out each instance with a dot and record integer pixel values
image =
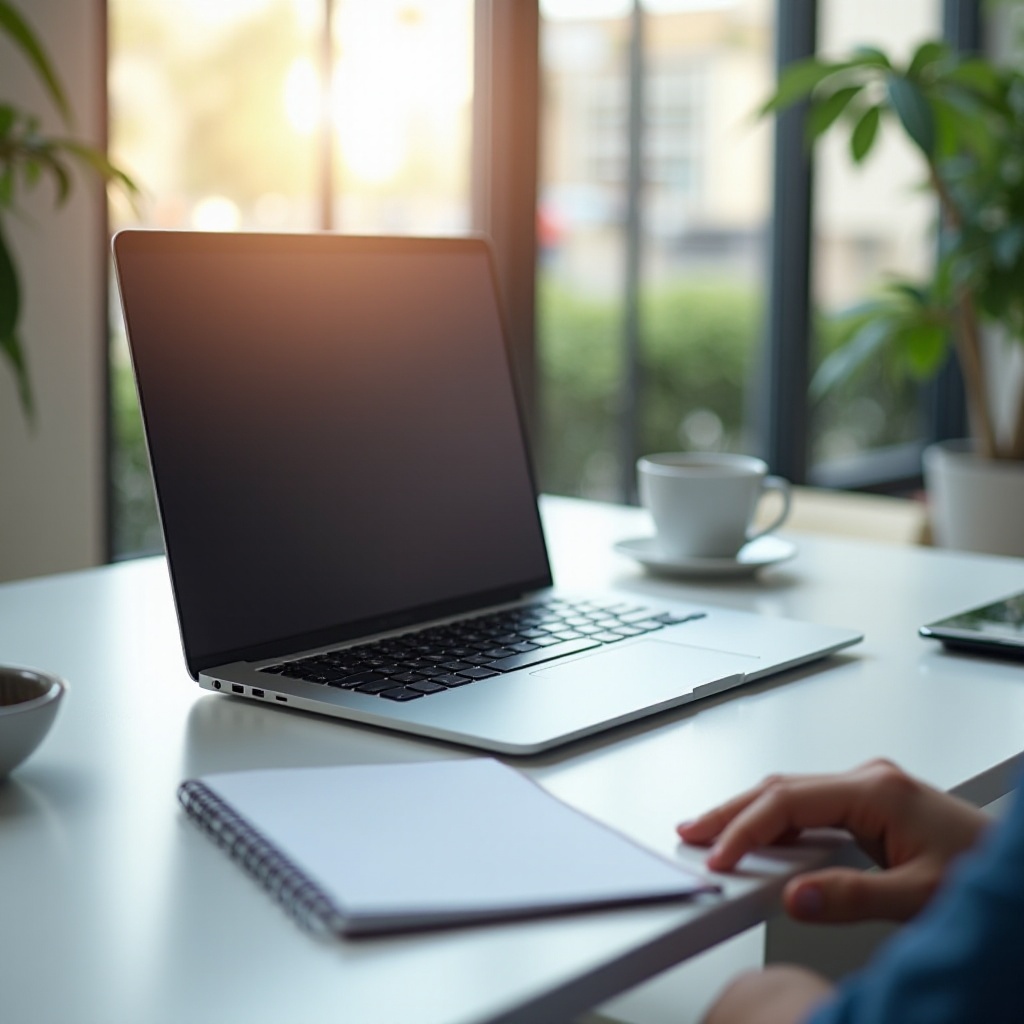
(629, 407)
(784, 412)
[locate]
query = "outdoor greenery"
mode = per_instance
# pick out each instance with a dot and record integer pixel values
(701, 381)
(965, 118)
(133, 508)
(697, 346)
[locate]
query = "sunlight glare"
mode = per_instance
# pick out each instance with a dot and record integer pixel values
(216, 213)
(302, 96)
(401, 75)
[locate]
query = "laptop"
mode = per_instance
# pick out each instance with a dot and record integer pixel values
(348, 507)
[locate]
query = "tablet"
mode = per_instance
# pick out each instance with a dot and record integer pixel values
(996, 628)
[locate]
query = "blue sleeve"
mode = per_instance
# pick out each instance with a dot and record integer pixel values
(962, 959)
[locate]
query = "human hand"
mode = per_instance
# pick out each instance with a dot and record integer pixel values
(906, 827)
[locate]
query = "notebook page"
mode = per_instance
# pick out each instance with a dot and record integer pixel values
(444, 840)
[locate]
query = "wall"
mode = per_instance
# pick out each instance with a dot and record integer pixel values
(52, 474)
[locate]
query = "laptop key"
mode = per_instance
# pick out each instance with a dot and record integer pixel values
(672, 619)
(543, 654)
(400, 693)
(378, 687)
(427, 686)
(546, 641)
(359, 678)
(452, 680)
(647, 625)
(477, 673)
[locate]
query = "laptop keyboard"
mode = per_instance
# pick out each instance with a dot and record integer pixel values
(439, 658)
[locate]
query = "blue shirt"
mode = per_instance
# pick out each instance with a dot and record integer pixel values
(962, 959)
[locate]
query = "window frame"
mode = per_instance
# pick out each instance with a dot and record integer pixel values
(505, 171)
(781, 414)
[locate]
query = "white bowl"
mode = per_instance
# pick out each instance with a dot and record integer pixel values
(28, 706)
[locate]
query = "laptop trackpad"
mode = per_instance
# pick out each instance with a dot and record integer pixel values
(650, 671)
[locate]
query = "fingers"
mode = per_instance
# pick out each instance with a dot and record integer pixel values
(863, 801)
(781, 809)
(705, 829)
(841, 895)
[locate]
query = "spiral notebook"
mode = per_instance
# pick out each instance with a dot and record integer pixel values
(364, 849)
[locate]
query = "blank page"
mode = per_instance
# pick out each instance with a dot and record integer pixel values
(439, 842)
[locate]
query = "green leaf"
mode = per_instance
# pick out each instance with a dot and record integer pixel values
(914, 292)
(13, 352)
(10, 308)
(1008, 246)
(8, 116)
(861, 347)
(797, 82)
(923, 347)
(59, 172)
(824, 114)
(871, 56)
(914, 111)
(98, 161)
(30, 171)
(10, 293)
(927, 53)
(26, 40)
(976, 73)
(956, 129)
(864, 134)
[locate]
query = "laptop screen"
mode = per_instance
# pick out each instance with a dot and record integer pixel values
(333, 431)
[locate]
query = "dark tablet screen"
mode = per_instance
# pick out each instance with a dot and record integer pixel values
(997, 628)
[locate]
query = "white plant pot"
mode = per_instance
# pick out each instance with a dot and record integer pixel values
(976, 504)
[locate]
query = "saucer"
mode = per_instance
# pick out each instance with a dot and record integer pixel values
(756, 555)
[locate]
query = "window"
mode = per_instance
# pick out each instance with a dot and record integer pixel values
(869, 222)
(651, 279)
(688, 273)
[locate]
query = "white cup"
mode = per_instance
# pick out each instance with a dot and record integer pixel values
(703, 504)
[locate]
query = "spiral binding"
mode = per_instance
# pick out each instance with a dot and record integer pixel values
(302, 899)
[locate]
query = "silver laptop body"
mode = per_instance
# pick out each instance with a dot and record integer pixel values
(348, 507)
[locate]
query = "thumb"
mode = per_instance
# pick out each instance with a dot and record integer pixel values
(837, 895)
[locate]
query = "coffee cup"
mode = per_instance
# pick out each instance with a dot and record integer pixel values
(703, 504)
(28, 706)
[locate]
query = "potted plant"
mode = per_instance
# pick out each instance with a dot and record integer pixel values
(964, 116)
(29, 154)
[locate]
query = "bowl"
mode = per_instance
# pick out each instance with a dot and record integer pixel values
(28, 706)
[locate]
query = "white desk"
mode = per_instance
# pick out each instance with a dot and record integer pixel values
(116, 909)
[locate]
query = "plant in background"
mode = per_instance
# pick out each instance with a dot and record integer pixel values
(27, 155)
(965, 117)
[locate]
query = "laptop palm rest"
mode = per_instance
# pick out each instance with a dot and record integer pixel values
(648, 671)
(613, 685)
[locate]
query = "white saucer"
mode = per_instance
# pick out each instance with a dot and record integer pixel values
(758, 554)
